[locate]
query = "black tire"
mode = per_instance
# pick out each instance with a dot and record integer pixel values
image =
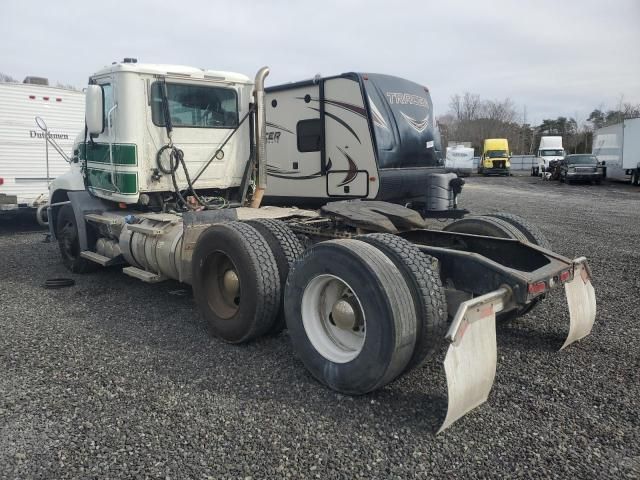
(421, 274)
(533, 233)
(286, 249)
(69, 243)
(236, 247)
(482, 225)
(386, 307)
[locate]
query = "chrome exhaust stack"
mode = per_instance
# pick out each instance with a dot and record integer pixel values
(260, 137)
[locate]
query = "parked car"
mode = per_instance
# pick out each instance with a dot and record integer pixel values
(580, 167)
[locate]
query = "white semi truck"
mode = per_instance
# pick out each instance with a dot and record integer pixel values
(550, 151)
(28, 162)
(168, 178)
(618, 150)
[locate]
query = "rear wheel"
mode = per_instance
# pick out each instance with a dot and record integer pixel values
(350, 315)
(421, 274)
(635, 177)
(286, 249)
(235, 282)
(501, 228)
(533, 233)
(483, 225)
(69, 242)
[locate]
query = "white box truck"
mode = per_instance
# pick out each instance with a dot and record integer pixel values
(27, 163)
(459, 160)
(618, 150)
(549, 150)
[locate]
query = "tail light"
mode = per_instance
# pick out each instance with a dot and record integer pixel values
(1, 181)
(537, 288)
(564, 276)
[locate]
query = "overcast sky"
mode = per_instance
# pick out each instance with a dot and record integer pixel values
(554, 57)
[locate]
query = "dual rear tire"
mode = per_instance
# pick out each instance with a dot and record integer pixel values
(360, 312)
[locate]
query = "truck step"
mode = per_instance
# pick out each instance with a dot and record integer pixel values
(100, 259)
(145, 230)
(148, 277)
(97, 218)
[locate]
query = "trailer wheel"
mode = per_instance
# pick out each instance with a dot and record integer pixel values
(235, 281)
(350, 316)
(421, 274)
(69, 244)
(286, 249)
(533, 233)
(484, 225)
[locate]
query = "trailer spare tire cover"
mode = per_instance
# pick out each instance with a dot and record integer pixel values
(236, 252)
(422, 276)
(286, 249)
(377, 289)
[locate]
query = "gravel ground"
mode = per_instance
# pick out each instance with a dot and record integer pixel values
(115, 378)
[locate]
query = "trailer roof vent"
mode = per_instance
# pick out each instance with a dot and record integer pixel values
(130, 60)
(36, 80)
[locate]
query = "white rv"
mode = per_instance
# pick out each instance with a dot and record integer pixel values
(355, 135)
(459, 160)
(618, 150)
(27, 163)
(549, 150)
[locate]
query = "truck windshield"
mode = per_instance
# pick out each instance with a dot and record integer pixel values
(497, 153)
(195, 106)
(582, 160)
(551, 153)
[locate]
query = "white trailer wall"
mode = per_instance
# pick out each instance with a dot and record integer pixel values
(22, 143)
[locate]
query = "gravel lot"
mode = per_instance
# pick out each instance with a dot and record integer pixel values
(115, 378)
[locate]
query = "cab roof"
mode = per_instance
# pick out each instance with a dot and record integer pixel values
(174, 70)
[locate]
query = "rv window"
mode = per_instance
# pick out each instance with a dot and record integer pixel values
(107, 104)
(195, 106)
(309, 135)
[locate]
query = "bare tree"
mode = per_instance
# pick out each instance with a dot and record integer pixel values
(5, 78)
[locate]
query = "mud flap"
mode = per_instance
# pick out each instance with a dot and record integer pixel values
(581, 298)
(470, 364)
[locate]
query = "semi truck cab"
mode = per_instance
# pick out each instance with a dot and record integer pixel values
(496, 158)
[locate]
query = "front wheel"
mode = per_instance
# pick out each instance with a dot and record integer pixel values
(350, 316)
(69, 242)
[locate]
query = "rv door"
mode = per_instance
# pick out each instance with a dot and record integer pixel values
(349, 154)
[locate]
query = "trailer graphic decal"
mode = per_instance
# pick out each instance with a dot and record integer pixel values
(376, 116)
(279, 127)
(353, 170)
(340, 121)
(418, 125)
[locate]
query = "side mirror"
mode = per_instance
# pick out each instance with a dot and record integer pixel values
(93, 110)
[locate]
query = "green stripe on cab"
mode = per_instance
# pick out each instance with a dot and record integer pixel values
(123, 153)
(126, 183)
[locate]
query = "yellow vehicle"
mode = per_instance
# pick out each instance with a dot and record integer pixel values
(495, 157)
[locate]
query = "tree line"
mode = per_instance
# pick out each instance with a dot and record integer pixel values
(5, 78)
(472, 119)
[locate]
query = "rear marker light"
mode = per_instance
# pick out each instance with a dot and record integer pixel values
(45, 98)
(32, 97)
(536, 288)
(564, 276)
(1, 181)
(58, 99)
(372, 179)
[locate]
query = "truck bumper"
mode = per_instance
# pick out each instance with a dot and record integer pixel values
(586, 177)
(470, 363)
(8, 204)
(496, 171)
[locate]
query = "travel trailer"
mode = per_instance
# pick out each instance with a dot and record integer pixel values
(27, 161)
(618, 150)
(459, 160)
(355, 135)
